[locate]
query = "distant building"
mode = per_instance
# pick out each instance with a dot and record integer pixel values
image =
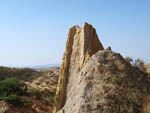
(147, 68)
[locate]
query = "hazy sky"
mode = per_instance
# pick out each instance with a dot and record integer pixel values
(34, 32)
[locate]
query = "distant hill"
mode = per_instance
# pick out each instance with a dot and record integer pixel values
(44, 66)
(36, 67)
(24, 74)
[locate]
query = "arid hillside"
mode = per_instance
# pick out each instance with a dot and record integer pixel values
(38, 97)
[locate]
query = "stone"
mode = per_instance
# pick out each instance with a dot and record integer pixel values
(82, 43)
(94, 80)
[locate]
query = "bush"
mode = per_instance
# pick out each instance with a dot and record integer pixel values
(50, 97)
(139, 63)
(11, 90)
(13, 100)
(129, 59)
(35, 92)
(11, 86)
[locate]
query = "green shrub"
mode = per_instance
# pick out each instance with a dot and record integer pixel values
(13, 100)
(11, 86)
(51, 97)
(11, 90)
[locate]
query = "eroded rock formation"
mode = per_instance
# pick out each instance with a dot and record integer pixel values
(93, 80)
(82, 43)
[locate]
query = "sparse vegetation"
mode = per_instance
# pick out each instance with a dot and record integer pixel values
(47, 95)
(129, 59)
(50, 96)
(139, 63)
(23, 74)
(36, 92)
(13, 100)
(18, 91)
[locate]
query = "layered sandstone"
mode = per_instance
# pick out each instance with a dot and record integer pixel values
(82, 43)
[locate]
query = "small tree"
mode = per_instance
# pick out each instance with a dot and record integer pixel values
(129, 59)
(139, 63)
